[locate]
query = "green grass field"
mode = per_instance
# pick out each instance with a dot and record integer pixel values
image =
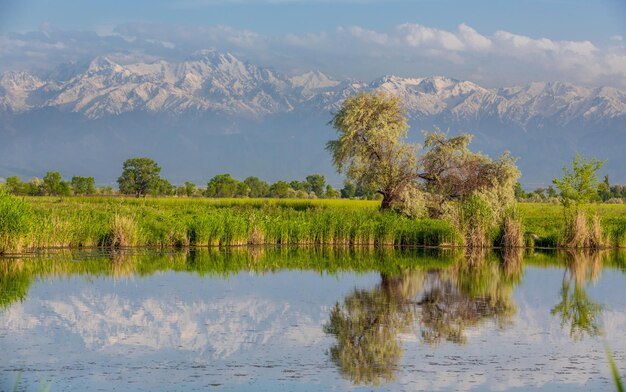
(546, 221)
(170, 222)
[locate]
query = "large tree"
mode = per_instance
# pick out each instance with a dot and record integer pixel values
(372, 151)
(371, 148)
(139, 176)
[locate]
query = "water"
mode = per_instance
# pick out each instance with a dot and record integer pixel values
(311, 320)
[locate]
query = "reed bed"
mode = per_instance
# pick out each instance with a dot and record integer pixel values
(77, 222)
(168, 222)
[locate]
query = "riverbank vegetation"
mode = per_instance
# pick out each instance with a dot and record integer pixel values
(439, 194)
(46, 222)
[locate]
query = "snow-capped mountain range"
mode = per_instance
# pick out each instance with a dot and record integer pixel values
(214, 113)
(210, 81)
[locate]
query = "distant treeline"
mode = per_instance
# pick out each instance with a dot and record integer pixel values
(222, 185)
(606, 193)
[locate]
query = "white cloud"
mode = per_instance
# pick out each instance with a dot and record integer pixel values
(501, 58)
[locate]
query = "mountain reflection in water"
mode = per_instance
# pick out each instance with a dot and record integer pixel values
(374, 314)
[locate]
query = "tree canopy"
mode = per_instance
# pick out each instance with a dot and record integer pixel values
(580, 183)
(370, 148)
(139, 176)
(372, 151)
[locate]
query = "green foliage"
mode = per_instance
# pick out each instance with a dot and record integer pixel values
(579, 184)
(315, 183)
(453, 172)
(371, 148)
(139, 177)
(222, 185)
(258, 188)
(14, 219)
(519, 192)
(15, 186)
(476, 218)
(349, 190)
(54, 186)
(83, 185)
(279, 189)
(188, 189)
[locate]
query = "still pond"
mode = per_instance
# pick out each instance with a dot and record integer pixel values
(269, 319)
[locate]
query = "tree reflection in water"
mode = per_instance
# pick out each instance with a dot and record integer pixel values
(576, 309)
(367, 325)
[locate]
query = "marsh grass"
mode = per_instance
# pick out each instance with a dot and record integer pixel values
(85, 222)
(168, 222)
(14, 219)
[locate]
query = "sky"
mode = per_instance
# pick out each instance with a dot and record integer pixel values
(492, 42)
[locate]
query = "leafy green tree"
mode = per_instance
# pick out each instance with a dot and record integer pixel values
(520, 194)
(348, 191)
(163, 188)
(580, 183)
(83, 185)
(280, 189)
(53, 185)
(34, 187)
(551, 191)
(243, 190)
(139, 176)
(300, 186)
(331, 193)
(258, 188)
(15, 185)
(190, 188)
(371, 148)
(222, 185)
(316, 183)
(604, 189)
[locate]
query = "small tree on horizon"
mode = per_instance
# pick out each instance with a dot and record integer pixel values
(139, 176)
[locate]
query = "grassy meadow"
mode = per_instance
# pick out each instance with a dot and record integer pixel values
(73, 222)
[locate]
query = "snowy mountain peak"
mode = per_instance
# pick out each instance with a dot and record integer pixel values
(213, 81)
(313, 81)
(20, 81)
(103, 63)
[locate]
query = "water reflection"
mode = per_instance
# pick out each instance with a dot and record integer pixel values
(367, 325)
(576, 309)
(386, 311)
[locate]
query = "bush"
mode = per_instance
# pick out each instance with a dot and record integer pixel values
(475, 218)
(14, 218)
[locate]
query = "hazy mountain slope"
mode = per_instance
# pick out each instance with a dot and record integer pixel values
(214, 113)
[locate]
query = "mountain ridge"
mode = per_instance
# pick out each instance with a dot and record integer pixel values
(212, 113)
(210, 80)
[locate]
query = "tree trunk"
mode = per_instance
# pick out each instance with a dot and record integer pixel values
(386, 203)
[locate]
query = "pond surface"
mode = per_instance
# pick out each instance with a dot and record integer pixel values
(311, 320)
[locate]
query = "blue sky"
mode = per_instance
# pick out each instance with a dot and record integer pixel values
(558, 19)
(493, 42)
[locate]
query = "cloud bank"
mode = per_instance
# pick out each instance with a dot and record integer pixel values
(499, 59)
